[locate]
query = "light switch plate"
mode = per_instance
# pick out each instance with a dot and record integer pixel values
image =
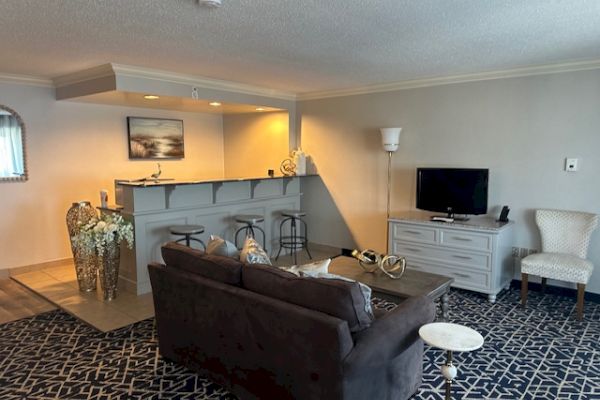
(571, 164)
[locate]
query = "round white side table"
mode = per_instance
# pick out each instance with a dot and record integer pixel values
(450, 337)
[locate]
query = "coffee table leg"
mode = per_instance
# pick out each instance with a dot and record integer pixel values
(449, 372)
(445, 306)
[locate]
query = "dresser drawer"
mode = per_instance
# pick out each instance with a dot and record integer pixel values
(464, 279)
(414, 233)
(465, 240)
(480, 261)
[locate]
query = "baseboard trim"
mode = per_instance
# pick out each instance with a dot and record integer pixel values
(36, 267)
(561, 291)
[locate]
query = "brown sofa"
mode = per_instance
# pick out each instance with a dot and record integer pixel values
(267, 334)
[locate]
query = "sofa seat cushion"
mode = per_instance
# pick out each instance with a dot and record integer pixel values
(219, 268)
(339, 298)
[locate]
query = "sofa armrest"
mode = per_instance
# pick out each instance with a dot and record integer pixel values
(391, 334)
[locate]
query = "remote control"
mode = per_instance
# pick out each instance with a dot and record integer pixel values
(442, 219)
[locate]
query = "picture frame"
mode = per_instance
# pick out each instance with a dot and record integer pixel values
(155, 138)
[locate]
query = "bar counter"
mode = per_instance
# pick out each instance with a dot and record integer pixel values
(153, 206)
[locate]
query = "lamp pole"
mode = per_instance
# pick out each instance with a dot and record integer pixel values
(390, 138)
(389, 183)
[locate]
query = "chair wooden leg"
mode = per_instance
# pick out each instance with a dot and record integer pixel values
(580, 296)
(524, 288)
(544, 285)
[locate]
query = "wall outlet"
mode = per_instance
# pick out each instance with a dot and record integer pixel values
(571, 164)
(523, 252)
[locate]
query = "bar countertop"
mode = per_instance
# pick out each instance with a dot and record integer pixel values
(172, 182)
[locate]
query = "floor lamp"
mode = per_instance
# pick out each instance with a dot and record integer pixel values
(390, 138)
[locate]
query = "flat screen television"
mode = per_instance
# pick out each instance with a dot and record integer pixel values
(453, 190)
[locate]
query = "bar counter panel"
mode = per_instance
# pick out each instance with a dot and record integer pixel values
(154, 207)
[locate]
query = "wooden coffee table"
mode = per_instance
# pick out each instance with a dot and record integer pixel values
(412, 283)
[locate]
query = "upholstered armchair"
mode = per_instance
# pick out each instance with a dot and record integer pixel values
(565, 241)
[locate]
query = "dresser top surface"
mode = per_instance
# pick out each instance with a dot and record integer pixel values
(474, 223)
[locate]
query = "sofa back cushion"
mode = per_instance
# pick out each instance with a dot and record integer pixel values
(341, 299)
(223, 269)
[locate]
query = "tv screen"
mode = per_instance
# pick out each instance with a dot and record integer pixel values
(452, 190)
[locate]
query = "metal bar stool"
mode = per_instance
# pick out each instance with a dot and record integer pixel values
(187, 231)
(250, 224)
(296, 240)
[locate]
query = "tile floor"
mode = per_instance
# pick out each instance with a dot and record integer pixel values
(59, 286)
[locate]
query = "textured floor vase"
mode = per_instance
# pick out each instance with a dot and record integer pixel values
(84, 258)
(108, 270)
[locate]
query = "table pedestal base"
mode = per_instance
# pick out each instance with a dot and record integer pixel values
(449, 372)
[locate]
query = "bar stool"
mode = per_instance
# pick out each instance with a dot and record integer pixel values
(250, 224)
(187, 231)
(296, 240)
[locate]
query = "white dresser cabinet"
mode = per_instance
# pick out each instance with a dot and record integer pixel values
(476, 253)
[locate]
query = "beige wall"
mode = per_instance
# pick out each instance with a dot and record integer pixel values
(520, 128)
(255, 143)
(74, 150)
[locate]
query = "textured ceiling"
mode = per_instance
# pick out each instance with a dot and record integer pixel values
(297, 45)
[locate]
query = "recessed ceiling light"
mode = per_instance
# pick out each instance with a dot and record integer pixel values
(214, 104)
(260, 109)
(151, 97)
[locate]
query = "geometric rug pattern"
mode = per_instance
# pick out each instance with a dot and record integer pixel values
(540, 352)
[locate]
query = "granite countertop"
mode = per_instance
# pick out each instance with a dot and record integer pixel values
(172, 182)
(475, 222)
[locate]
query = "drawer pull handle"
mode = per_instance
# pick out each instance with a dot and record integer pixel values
(461, 275)
(462, 239)
(413, 232)
(462, 257)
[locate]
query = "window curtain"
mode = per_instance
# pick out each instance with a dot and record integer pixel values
(11, 147)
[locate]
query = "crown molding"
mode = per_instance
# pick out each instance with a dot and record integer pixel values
(25, 80)
(448, 80)
(200, 82)
(101, 71)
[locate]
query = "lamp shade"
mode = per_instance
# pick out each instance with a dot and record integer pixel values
(390, 138)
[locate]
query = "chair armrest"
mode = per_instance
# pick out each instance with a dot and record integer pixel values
(391, 334)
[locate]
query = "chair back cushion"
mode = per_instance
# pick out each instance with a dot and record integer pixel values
(339, 298)
(219, 268)
(567, 232)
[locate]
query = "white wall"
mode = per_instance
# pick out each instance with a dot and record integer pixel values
(519, 128)
(255, 143)
(74, 150)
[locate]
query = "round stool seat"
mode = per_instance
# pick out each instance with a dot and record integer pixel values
(293, 213)
(186, 229)
(250, 219)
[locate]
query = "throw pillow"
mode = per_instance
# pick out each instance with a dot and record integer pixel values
(221, 247)
(253, 253)
(311, 268)
(364, 289)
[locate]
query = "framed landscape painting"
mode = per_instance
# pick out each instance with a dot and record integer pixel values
(152, 138)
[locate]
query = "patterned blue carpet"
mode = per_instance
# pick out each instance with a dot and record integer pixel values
(541, 352)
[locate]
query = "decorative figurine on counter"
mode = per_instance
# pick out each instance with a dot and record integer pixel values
(391, 265)
(287, 167)
(300, 161)
(156, 175)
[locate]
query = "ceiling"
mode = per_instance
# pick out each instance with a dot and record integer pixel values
(299, 46)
